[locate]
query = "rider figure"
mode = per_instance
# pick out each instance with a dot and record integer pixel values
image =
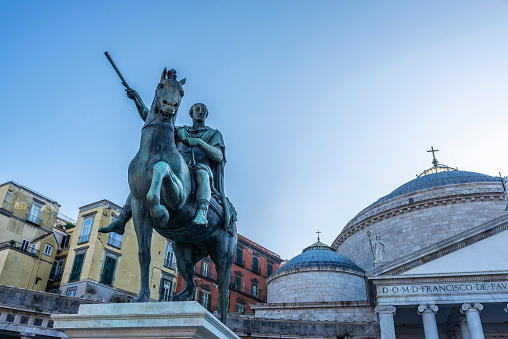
(203, 150)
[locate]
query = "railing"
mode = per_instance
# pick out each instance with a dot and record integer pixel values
(247, 291)
(169, 263)
(240, 262)
(32, 217)
(20, 247)
(205, 274)
(66, 218)
(55, 277)
(114, 242)
(83, 238)
(107, 280)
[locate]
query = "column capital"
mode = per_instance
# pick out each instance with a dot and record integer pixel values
(385, 309)
(427, 308)
(473, 306)
(506, 308)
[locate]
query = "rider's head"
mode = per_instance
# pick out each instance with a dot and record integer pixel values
(198, 112)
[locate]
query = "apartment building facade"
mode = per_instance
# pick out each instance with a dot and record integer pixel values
(105, 266)
(253, 264)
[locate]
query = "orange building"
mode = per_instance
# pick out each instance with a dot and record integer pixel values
(252, 265)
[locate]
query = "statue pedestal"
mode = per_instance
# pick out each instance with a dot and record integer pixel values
(180, 319)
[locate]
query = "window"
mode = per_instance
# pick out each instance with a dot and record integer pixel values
(77, 266)
(254, 290)
(205, 299)
(65, 241)
(86, 229)
(115, 240)
(56, 270)
(255, 267)
(240, 308)
(239, 256)
(71, 292)
(238, 282)
(47, 249)
(35, 212)
(24, 245)
(108, 270)
(204, 268)
(169, 258)
(165, 289)
(269, 269)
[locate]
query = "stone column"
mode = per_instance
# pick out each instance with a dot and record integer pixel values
(386, 314)
(472, 312)
(464, 330)
(428, 313)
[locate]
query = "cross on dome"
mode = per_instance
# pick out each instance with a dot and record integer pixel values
(434, 160)
(318, 235)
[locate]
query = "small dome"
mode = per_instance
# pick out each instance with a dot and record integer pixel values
(319, 255)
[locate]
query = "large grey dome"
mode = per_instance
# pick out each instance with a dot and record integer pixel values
(320, 255)
(435, 180)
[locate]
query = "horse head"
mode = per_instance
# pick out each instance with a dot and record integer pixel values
(168, 95)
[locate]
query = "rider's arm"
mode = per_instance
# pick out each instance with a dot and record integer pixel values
(212, 153)
(142, 109)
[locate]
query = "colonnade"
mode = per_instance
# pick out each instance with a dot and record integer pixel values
(470, 323)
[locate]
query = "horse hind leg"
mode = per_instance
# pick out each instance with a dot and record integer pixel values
(162, 173)
(187, 256)
(143, 226)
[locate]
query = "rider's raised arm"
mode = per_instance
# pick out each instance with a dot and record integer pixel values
(142, 109)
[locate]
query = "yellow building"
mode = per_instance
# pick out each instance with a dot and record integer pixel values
(27, 244)
(62, 230)
(106, 267)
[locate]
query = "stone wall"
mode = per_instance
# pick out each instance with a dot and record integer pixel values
(413, 221)
(316, 284)
(248, 327)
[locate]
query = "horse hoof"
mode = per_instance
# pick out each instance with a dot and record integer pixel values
(200, 220)
(161, 215)
(117, 226)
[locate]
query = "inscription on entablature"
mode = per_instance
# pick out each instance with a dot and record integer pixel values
(453, 288)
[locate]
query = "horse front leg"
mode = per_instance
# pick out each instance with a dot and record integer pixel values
(143, 225)
(162, 173)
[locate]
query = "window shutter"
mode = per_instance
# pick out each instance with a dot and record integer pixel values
(76, 268)
(238, 282)
(209, 303)
(201, 301)
(239, 255)
(161, 289)
(255, 264)
(269, 270)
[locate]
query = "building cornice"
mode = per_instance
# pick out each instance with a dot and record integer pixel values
(256, 249)
(13, 183)
(406, 206)
(102, 203)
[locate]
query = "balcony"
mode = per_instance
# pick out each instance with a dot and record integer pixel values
(169, 263)
(205, 274)
(240, 262)
(83, 238)
(20, 247)
(34, 217)
(55, 276)
(114, 242)
(251, 293)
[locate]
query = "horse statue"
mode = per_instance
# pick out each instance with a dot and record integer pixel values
(161, 199)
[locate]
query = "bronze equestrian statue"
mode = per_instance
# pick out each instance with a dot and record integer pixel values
(174, 178)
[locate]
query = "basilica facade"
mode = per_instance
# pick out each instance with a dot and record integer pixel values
(428, 260)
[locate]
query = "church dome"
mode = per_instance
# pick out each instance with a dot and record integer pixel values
(318, 274)
(429, 179)
(319, 255)
(439, 203)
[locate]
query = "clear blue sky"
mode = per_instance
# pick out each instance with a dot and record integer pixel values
(325, 106)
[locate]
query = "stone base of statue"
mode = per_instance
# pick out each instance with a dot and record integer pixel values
(181, 319)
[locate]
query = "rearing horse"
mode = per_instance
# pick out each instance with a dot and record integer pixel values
(161, 199)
